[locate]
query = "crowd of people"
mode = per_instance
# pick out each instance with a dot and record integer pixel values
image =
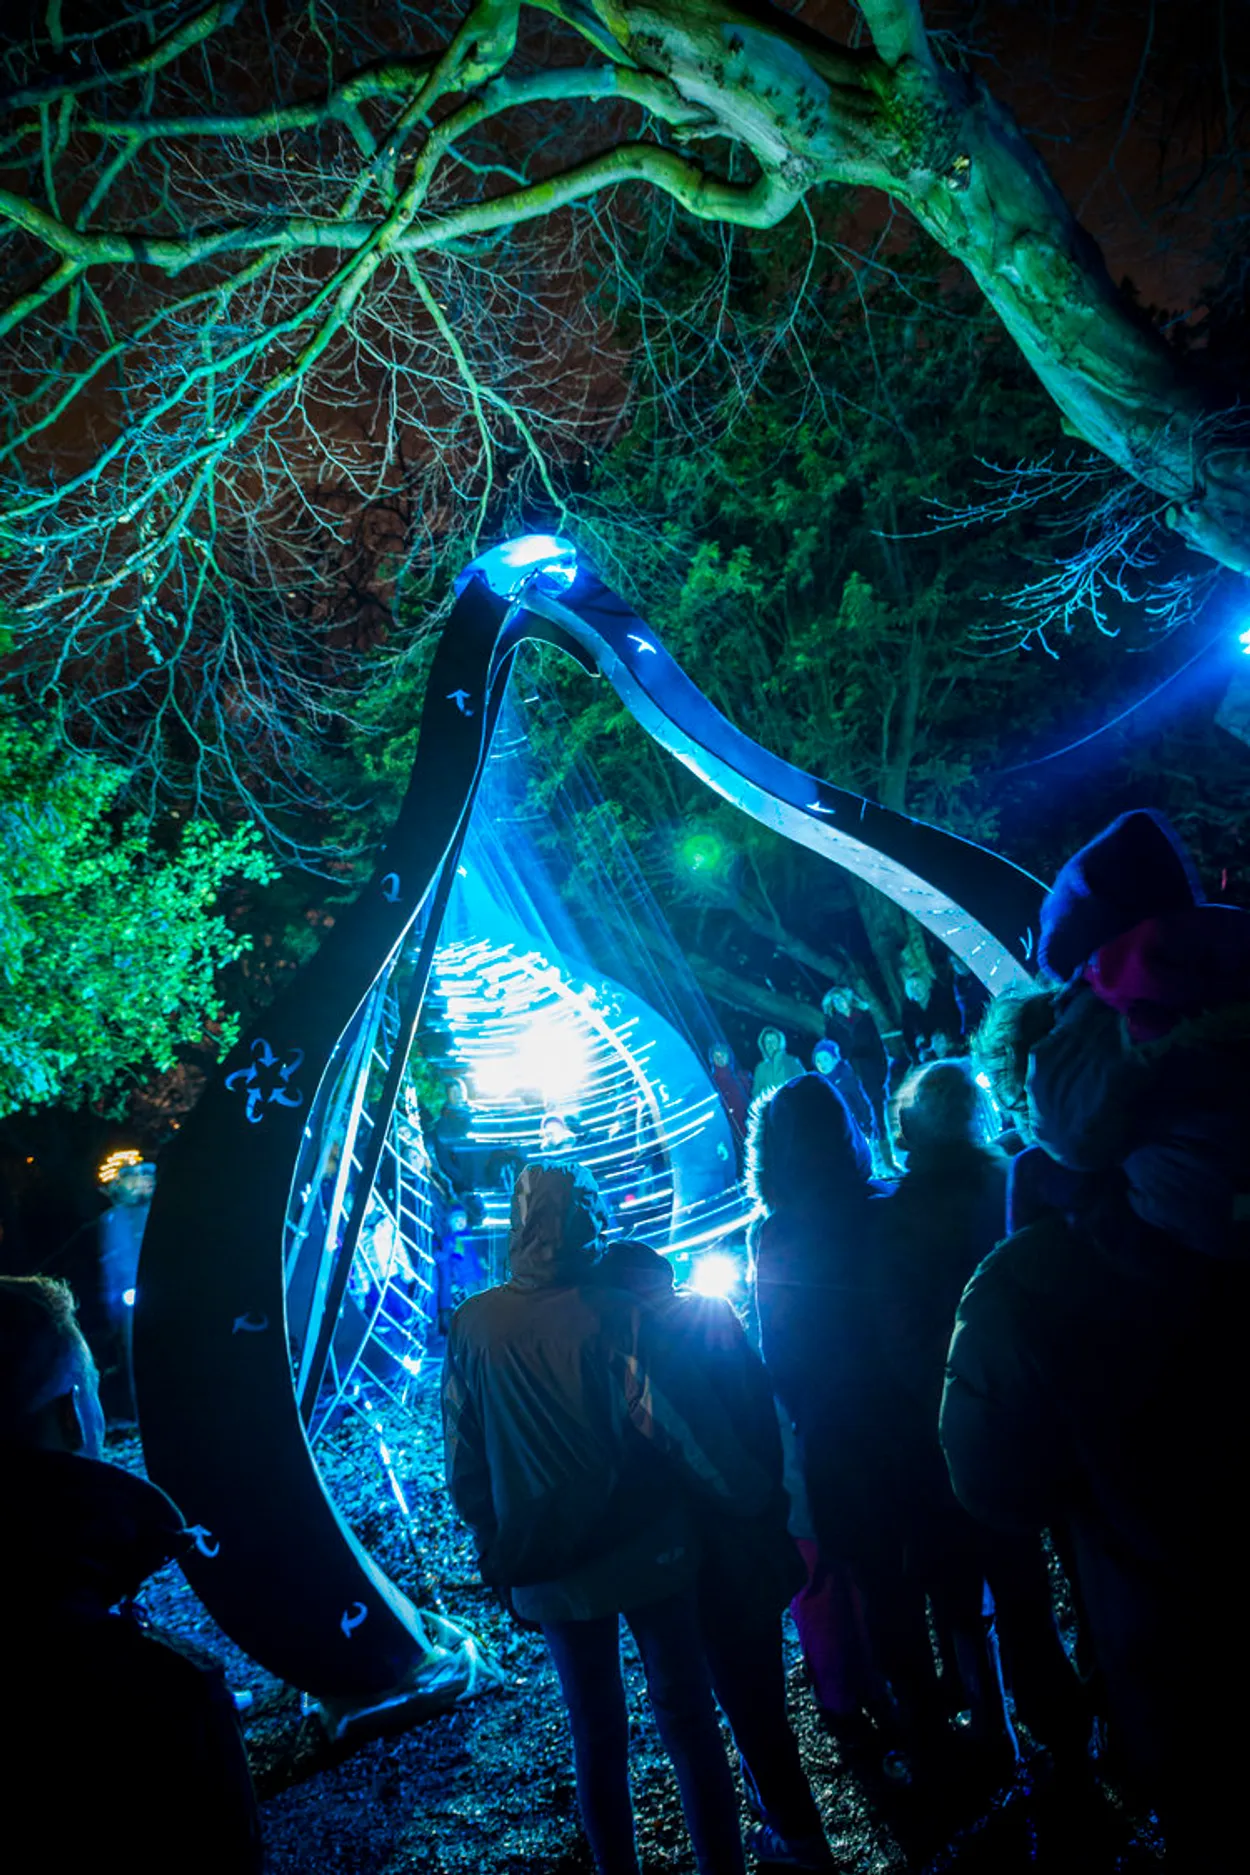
(1012, 1363)
(1010, 1366)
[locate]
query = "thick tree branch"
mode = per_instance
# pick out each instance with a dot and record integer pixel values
(265, 280)
(898, 30)
(756, 999)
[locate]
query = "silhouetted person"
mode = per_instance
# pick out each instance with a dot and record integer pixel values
(751, 1567)
(120, 1750)
(573, 1438)
(1095, 1377)
(449, 1139)
(734, 1090)
(121, 1229)
(946, 1214)
(811, 1170)
(827, 1060)
(849, 1022)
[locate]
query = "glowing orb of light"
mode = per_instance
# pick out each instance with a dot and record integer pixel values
(509, 568)
(1243, 640)
(716, 1274)
(549, 1056)
(128, 1297)
(983, 1080)
(702, 852)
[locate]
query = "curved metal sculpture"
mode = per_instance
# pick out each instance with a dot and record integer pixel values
(222, 1430)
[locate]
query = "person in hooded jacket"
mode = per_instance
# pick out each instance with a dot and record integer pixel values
(121, 1748)
(944, 1216)
(811, 1171)
(827, 1059)
(574, 1440)
(775, 1066)
(751, 1568)
(1094, 1378)
(1144, 1066)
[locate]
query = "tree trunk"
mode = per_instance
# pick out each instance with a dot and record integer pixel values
(893, 120)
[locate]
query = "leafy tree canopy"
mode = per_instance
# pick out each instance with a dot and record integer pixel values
(834, 570)
(109, 942)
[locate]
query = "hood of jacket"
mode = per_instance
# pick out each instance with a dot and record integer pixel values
(807, 1149)
(558, 1221)
(1133, 870)
(81, 1533)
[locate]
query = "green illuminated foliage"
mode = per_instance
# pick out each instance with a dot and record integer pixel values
(109, 940)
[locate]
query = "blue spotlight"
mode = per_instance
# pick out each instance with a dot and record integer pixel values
(716, 1274)
(509, 568)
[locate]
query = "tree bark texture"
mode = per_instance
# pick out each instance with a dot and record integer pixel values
(937, 141)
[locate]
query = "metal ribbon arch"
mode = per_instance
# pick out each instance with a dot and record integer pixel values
(275, 1563)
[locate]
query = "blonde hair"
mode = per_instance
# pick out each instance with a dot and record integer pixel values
(42, 1350)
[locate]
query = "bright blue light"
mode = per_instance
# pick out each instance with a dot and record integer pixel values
(716, 1274)
(983, 1080)
(1244, 641)
(128, 1297)
(509, 568)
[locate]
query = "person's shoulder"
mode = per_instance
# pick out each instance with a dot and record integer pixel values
(479, 1316)
(1033, 1263)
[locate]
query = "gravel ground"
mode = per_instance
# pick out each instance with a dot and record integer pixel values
(488, 1786)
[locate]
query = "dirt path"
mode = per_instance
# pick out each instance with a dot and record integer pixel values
(487, 1788)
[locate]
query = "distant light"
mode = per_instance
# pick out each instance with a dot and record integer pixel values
(716, 1274)
(128, 1297)
(1244, 641)
(983, 1080)
(509, 568)
(117, 1162)
(703, 851)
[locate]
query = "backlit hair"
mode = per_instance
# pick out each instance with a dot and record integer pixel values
(41, 1350)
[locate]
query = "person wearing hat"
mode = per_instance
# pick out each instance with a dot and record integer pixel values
(1094, 1381)
(574, 1438)
(1144, 1066)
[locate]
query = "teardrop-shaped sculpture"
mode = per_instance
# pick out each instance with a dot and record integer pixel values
(219, 1404)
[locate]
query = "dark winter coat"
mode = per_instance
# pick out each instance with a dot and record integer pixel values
(815, 1253)
(120, 1748)
(745, 1559)
(866, 1054)
(936, 1226)
(1095, 1384)
(572, 1435)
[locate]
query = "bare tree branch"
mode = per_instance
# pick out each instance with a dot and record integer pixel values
(277, 289)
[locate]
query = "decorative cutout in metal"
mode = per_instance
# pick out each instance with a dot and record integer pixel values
(220, 1407)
